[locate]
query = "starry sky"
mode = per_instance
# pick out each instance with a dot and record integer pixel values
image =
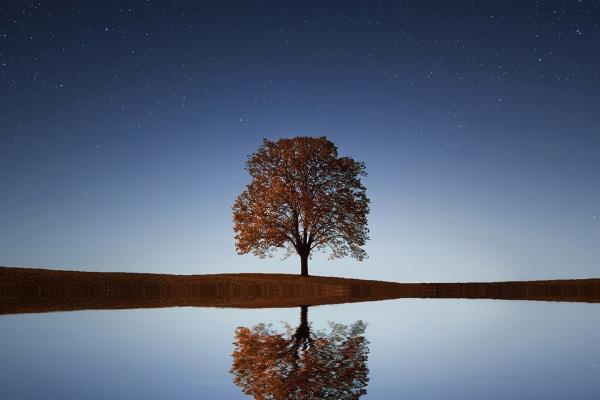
(124, 128)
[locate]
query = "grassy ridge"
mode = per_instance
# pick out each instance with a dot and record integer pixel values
(24, 290)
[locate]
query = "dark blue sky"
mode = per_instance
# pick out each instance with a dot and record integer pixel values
(124, 128)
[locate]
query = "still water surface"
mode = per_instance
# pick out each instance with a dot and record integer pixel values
(407, 348)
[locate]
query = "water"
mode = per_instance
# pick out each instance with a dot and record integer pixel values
(414, 348)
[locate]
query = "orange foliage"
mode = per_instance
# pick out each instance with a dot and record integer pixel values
(302, 197)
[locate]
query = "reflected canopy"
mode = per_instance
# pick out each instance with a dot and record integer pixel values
(301, 363)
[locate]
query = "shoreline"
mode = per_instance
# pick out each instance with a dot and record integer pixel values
(33, 290)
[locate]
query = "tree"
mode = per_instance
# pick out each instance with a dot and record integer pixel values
(302, 197)
(325, 364)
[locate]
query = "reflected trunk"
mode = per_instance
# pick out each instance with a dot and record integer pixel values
(301, 337)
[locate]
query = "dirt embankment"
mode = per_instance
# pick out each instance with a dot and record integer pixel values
(24, 290)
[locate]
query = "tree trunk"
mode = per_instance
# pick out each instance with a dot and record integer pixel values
(304, 264)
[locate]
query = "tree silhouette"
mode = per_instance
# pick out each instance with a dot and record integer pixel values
(302, 197)
(301, 364)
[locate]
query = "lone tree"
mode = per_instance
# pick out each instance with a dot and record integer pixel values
(302, 197)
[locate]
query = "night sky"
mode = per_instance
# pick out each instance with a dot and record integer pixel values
(124, 128)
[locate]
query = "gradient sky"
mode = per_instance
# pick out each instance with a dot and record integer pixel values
(124, 128)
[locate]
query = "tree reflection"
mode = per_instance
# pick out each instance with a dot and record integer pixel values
(301, 363)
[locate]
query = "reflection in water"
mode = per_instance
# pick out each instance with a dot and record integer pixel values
(301, 363)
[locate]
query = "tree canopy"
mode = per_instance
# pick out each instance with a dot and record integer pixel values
(302, 197)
